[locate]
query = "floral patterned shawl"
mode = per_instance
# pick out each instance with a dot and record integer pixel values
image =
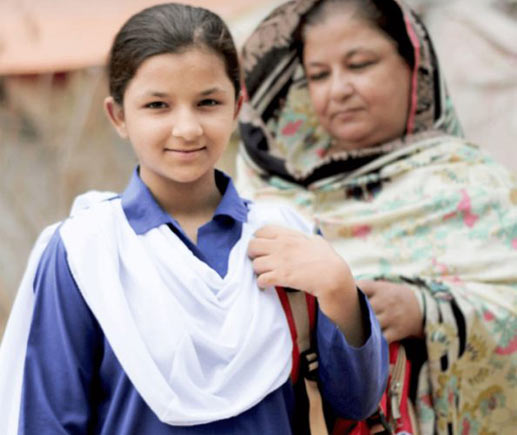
(429, 210)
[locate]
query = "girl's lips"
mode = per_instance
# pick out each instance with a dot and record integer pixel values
(186, 151)
(184, 154)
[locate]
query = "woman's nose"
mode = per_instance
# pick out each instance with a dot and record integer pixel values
(186, 126)
(340, 87)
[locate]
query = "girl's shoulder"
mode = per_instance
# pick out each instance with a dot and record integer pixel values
(90, 199)
(277, 213)
(93, 213)
(85, 208)
(91, 206)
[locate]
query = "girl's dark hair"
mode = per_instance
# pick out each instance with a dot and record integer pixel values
(385, 15)
(168, 28)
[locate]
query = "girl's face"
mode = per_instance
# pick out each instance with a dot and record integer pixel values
(179, 111)
(358, 83)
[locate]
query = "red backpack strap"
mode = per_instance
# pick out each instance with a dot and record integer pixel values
(292, 329)
(300, 311)
(395, 409)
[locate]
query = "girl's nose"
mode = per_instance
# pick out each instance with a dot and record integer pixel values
(186, 126)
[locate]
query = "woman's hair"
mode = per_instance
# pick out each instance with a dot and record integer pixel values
(385, 15)
(168, 28)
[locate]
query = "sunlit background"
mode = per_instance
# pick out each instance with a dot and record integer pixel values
(55, 141)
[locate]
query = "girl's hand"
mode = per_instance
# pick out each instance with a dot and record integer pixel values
(288, 258)
(396, 308)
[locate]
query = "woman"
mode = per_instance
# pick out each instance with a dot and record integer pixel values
(349, 119)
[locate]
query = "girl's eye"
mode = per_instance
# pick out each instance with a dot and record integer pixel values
(156, 105)
(317, 76)
(209, 102)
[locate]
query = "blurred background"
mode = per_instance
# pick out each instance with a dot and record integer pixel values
(55, 141)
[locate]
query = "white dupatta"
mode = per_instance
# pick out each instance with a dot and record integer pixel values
(197, 347)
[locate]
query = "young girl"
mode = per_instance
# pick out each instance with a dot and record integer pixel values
(143, 313)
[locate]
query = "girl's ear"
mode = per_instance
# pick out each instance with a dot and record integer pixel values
(238, 106)
(115, 114)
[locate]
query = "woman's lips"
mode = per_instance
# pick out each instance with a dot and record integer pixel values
(345, 114)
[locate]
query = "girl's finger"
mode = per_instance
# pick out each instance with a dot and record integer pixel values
(388, 335)
(272, 231)
(269, 232)
(260, 247)
(263, 264)
(267, 279)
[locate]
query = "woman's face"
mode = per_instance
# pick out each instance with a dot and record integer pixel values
(358, 83)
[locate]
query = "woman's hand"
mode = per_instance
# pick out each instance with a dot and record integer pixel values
(396, 308)
(288, 258)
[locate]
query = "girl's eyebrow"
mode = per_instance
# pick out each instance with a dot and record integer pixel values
(210, 91)
(160, 94)
(154, 94)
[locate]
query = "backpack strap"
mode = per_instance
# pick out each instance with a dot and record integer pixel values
(300, 311)
(395, 412)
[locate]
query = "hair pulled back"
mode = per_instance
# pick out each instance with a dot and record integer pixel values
(168, 28)
(387, 16)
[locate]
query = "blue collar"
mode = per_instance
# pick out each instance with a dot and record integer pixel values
(144, 213)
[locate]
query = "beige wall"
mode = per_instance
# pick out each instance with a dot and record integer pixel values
(476, 42)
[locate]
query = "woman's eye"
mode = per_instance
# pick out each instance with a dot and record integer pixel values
(209, 102)
(317, 76)
(156, 105)
(360, 65)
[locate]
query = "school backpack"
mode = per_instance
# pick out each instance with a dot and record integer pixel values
(395, 414)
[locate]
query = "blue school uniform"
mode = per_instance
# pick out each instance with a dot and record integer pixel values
(74, 383)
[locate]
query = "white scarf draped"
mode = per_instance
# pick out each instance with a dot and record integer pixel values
(197, 347)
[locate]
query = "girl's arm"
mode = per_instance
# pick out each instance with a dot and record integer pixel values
(353, 354)
(352, 379)
(61, 350)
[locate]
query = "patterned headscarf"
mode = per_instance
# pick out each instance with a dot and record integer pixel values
(280, 131)
(429, 210)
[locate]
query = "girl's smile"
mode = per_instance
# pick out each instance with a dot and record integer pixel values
(185, 154)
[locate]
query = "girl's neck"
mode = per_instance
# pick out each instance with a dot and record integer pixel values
(188, 203)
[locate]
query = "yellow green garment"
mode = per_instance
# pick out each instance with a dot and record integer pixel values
(428, 210)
